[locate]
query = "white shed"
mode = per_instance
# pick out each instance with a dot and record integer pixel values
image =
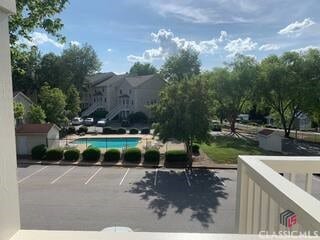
(30, 135)
(270, 140)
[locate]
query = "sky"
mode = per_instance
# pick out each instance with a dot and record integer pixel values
(126, 31)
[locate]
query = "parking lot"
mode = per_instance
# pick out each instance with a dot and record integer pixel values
(93, 198)
(154, 200)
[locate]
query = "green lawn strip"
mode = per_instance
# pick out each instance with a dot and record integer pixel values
(225, 149)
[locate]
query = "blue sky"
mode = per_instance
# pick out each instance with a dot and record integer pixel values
(138, 30)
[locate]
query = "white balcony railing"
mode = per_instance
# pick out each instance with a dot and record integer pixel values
(262, 194)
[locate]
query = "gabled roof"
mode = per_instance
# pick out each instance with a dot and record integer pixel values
(113, 79)
(35, 128)
(21, 94)
(266, 132)
(98, 78)
(138, 80)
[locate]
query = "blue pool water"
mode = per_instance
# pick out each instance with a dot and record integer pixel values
(108, 142)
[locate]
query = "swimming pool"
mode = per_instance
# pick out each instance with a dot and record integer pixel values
(109, 142)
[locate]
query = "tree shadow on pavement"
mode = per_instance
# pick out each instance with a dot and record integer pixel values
(202, 196)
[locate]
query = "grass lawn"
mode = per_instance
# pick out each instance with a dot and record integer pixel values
(225, 149)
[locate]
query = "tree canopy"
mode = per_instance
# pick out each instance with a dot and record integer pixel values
(53, 102)
(18, 110)
(184, 64)
(232, 87)
(36, 114)
(183, 111)
(72, 102)
(140, 69)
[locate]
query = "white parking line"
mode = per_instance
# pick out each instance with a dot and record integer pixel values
(90, 178)
(57, 179)
(155, 177)
(124, 176)
(25, 178)
(188, 181)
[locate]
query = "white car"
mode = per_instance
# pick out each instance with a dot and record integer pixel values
(102, 122)
(88, 121)
(77, 121)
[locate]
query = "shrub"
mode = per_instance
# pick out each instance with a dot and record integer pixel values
(71, 154)
(54, 154)
(71, 130)
(91, 154)
(176, 156)
(152, 155)
(138, 117)
(145, 131)
(83, 129)
(112, 155)
(39, 152)
(134, 131)
(216, 127)
(108, 130)
(132, 155)
(121, 131)
(195, 149)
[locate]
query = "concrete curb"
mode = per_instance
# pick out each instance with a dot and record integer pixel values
(123, 165)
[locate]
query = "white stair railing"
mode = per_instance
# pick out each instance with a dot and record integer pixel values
(116, 110)
(263, 194)
(91, 109)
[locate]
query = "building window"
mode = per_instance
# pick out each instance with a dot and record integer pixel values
(102, 89)
(132, 102)
(105, 99)
(94, 100)
(130, 91)
(120, 91)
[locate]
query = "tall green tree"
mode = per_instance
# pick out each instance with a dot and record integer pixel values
(232, 87)
(36, 114)
(183, 111)
(78, 62)
(183, 65)
(312, 73)
(283, 87)
(72, 102)
(140, 69)
(53, 102)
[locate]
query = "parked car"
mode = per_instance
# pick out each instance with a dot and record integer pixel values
(77, 121)
(88, 121)
(102, 122)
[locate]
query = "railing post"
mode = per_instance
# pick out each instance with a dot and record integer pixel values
(242, 198)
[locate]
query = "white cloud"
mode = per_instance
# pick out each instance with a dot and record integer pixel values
(170, 44)
(269, 47)
(109, 50)
(297, 27)
(240, 46)
(76, 43)
(305, 49)
(38, 38)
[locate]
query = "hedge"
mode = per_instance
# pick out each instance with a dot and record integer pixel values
(152, 155)
(112, 155)
(132, 155)
(71, 130)
(108, 130)
(195, 149)
(71, 154)
(39, 152)
(91, 154)
(176, 156)
(121, 131)
(134, 131)
(83, 129)
(54, 154)
(145, 131)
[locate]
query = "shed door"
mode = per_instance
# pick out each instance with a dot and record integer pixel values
(22, 147)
